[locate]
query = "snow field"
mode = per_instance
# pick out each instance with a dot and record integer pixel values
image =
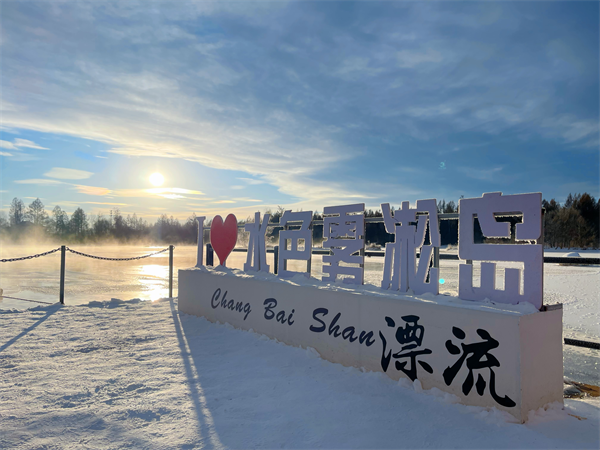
(139, 375)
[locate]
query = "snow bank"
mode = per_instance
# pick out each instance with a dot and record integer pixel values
(138, 374)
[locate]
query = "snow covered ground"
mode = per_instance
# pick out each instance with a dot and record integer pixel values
(140, 375)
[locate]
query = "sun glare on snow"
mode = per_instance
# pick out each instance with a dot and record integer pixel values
(157, 179)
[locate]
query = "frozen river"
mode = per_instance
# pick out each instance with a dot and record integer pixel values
(577, 287)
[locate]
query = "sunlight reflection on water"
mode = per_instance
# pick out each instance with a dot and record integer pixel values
(152, 277)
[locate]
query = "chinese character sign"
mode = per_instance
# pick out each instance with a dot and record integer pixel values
(289, 241)
(257, 257)
(401, 271)
(410, 337)
(477, 357)
(531, 255)
(344, 234)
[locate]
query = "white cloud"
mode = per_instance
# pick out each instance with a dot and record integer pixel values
(252, 181)
(412, 58)
(17, 143)
(68, 174)
(91, 190)
(5, 154)
(23, 157)
(39, 181)
(173, 191)
(246, 199)
(105, 203)
(480, 174)
(172, 196)
(29, 144)
(170, 193)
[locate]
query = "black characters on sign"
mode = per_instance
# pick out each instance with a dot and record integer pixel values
(230, 304)
(349, 333)
(477, 357)
(410, 337)
(270, 304)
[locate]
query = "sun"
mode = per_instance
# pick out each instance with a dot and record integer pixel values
(157, 179)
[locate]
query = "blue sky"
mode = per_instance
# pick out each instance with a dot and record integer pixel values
(245, 106)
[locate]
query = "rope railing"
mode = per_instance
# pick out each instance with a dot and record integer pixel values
(63, 250)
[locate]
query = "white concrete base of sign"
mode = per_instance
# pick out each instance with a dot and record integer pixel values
(503, 356)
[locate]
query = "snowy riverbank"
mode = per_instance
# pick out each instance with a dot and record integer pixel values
(137, 374)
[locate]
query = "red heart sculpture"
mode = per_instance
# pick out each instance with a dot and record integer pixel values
(223, 236)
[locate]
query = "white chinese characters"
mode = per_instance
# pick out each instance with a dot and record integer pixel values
(257, 257)
(531, 255)
(344, 231)
(289, 241)
(401, 271)
(409, 260)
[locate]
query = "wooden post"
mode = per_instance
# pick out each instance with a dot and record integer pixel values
(276, 261)
(63, 251)
(171, 247)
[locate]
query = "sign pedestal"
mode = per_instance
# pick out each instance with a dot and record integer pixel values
(487, 355)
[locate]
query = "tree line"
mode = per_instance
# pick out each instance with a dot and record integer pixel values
(573, 224)
(33, 221)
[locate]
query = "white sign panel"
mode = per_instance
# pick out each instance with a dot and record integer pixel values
(485, 356)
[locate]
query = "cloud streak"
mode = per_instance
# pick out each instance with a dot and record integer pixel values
(68, 174)
(39, 181)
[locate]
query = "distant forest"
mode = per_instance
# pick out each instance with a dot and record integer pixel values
(573, 224)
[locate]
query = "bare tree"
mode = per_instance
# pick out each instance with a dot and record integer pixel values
(36, 213)
(16, 214)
